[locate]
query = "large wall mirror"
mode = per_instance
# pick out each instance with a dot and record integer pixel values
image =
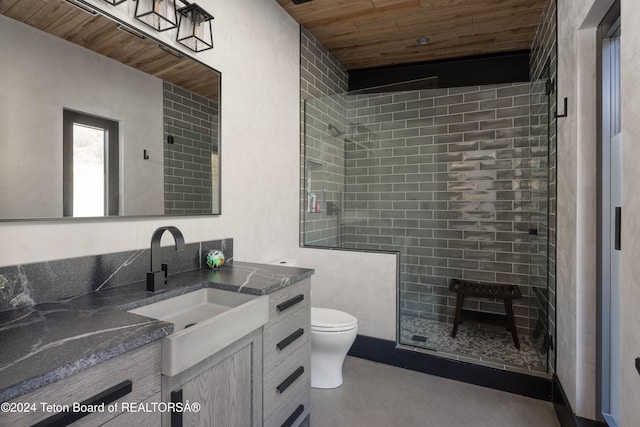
(98, 120)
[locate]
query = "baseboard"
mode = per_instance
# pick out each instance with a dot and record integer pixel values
(561, 405)
(565, 414)
(384, 351)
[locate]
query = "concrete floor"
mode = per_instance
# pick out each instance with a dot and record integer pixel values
(374, 395)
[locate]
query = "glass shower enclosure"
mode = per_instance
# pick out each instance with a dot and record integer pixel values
(457, 181)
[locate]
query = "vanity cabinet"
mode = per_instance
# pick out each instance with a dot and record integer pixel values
(132, 378)
(227, 386)
(263, 379)
(287, 357)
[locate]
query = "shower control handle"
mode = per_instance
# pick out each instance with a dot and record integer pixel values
(332, 208)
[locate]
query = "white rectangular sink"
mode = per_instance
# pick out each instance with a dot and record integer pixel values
(204, 322)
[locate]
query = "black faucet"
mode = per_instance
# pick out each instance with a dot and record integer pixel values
(157, 277)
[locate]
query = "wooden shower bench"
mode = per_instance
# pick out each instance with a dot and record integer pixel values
(507, 293)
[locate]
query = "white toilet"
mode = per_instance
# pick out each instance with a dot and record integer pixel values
(332, 334)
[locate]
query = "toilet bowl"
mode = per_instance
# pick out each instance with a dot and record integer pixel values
(332, 334)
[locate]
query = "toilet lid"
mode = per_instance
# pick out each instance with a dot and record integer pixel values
(330, 320)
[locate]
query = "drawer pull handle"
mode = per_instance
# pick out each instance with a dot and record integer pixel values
(108, 396)
(294, 416)
(291, 338)
(290, 379)
(290, 302)
(176, 416)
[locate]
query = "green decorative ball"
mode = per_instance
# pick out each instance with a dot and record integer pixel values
(215, 259)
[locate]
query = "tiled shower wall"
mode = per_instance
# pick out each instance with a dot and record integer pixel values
(443, 175)
(192, 120)
(323, 82)
(449, 177)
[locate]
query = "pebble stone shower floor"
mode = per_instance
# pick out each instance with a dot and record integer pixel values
(489, 347)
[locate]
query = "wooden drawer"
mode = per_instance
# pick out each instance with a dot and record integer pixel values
(284, 338)
(288, 300)
(141, 367)
(138, 419)
(292, 411)
(284, 383)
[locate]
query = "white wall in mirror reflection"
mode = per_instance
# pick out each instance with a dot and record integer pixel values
(46, 74)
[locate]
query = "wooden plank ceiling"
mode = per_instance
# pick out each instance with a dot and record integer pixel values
(374, 33)
(102, 35)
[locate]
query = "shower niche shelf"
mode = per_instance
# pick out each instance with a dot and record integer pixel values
(315, 193)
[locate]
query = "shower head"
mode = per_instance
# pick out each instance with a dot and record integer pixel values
(334, 131)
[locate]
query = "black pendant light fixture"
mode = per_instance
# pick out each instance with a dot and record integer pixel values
(192, 23)
(194, 28)
(157, 14)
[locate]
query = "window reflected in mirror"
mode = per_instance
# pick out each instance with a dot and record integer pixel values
(88, 170)
(91, 165)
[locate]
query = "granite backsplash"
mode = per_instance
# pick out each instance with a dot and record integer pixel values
(29, 284)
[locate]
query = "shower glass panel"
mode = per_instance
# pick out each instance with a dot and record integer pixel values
(324, 170)
(454, 180)
(542, 285)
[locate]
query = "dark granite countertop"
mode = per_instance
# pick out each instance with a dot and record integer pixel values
(49, 341)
